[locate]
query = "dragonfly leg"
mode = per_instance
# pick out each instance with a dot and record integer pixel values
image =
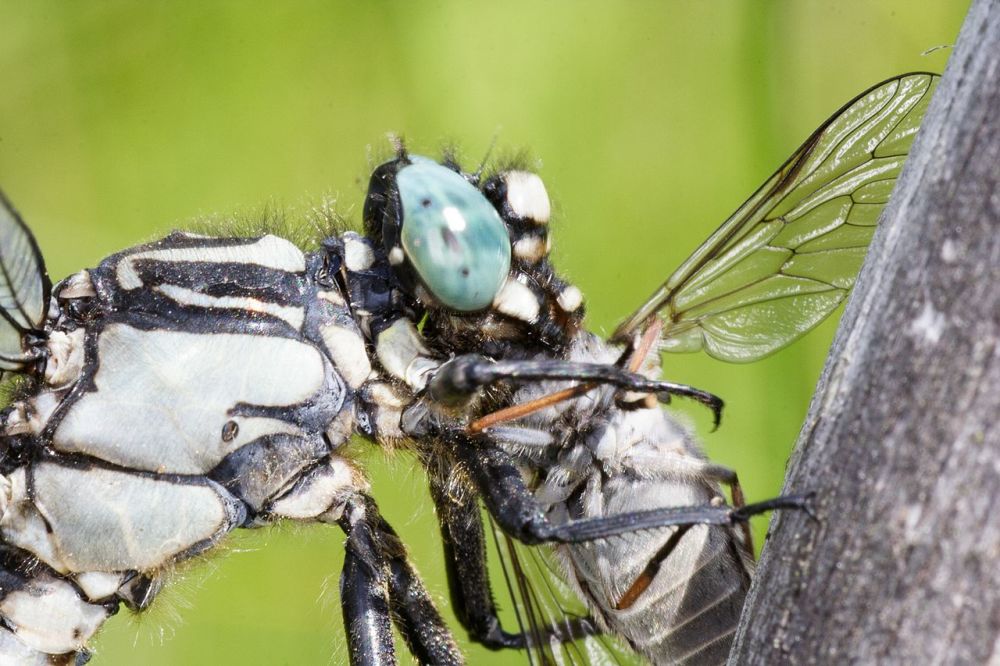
(378, 584)
(513, 506)
(462, 376)
(364, 590)
(697, 470)
(469, 583)
(465, 562)
(418, 620)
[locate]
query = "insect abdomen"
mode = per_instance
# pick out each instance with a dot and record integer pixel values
(674, 595)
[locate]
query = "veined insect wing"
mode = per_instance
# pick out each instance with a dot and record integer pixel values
(558, 627)
(24, 290)
(792, 251)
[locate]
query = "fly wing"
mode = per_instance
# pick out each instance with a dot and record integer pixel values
(789, 255)
(24, 287)
(559, 629)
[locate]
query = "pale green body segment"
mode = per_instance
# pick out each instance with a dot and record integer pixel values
(452, 236)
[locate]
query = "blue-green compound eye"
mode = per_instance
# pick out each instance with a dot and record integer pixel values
(452, 236)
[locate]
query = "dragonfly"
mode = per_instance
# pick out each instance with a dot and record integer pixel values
(198, 384)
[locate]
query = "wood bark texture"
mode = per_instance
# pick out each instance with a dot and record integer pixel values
(901, 444)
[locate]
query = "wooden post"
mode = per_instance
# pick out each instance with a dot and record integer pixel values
(902, 444)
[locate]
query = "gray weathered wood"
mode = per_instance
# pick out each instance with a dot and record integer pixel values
(901, 443)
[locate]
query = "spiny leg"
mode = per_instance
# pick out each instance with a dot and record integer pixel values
(364, 590)
(418, 620)
(465, 563)
(514, 508)
(462, 376)
(468, 579)
(416, 616)
(728, 477)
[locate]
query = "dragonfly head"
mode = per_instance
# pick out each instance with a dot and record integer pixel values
(474, 251)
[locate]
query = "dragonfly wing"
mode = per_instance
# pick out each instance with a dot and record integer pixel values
(790, 254)
(24, 287)
(559, 629)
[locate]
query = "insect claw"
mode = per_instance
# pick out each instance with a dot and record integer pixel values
(716, 406)
(809, 506)
(710, 400)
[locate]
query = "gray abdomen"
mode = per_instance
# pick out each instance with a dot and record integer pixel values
(676, 608)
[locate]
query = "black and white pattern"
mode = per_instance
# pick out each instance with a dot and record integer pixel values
(195, 385)
(188, 387)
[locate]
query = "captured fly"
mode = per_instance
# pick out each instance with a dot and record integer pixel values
(187, 387)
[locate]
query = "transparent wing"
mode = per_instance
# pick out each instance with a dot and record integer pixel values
(24, 287)
(790, 254)
(560, 631)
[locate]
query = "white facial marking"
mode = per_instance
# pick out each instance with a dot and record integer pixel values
(530, 249)
(358, 256)
(518, 301)
(396, 256)
(454, 218)
(570, 299)
(527, 196)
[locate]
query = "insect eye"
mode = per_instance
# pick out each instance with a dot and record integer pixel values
(452, 236)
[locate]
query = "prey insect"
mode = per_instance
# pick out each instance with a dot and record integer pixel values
(187, 387)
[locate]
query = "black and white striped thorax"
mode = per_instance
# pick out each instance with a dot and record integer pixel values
(192, 386)
(202, 327)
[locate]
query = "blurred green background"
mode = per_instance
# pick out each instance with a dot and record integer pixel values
(650, 123)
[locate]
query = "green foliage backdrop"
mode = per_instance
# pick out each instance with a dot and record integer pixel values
(649, 121)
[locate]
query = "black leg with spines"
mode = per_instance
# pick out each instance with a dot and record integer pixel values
(512, 505)
(364, 591)
(418, 620)
(378, 587)
(465, 563)
(458, 379)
